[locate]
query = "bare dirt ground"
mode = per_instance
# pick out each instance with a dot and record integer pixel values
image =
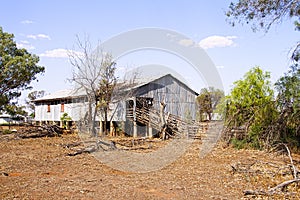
(41, 169)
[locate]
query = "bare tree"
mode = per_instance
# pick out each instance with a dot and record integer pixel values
(31, 97)
(87, 76)
(95, 74)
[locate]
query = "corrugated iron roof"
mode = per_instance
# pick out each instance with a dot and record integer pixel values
(140, 81)
(61, 94)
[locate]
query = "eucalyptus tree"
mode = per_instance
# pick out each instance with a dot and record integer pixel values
(207, 100)
(261, 15)
(18, 69)
(288, 103)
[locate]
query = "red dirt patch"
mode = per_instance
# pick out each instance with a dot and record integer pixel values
(40, 169)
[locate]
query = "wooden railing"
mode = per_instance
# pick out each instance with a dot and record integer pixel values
(178, 125)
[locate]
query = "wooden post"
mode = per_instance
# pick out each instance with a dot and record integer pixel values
(67, 125)
(112, 129)
(123, 128)
(134, 129)
(150, 133)
(100, 128)
(134, 118)
(163, 120)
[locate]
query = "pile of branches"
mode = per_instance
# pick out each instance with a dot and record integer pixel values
(40, 131)
(131, 144)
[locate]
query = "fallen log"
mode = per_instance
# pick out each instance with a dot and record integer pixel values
(89, 149)
(40, 131)
(95, 147)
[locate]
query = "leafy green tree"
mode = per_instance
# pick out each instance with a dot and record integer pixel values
(208, 100)
(288, 104)
(262, 14)
(250, 105)
(18, 69)
(15, 110)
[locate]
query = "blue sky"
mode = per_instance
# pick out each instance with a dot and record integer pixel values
(49, 28)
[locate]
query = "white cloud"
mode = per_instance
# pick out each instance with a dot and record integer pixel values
(186, 42)
(39, 36)
(169, 35)
(25, 44)
(59, 53)
(220, 66)
(217, 41)
(27, 22)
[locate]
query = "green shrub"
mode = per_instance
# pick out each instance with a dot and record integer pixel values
(239, 144)
(65, 118)
(6, 131)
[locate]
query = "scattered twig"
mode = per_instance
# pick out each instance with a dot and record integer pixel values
(282, 185)
(75, 144)
(254, 192)
(272, 190)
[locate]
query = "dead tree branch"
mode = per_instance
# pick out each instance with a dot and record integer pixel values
(295, 171)
(95, 147)
(282, 185)
(273, 190)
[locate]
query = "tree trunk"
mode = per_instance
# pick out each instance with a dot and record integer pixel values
(89, 119)
(209, 116)
(94, 131)
(105, 120)
(163, 120)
